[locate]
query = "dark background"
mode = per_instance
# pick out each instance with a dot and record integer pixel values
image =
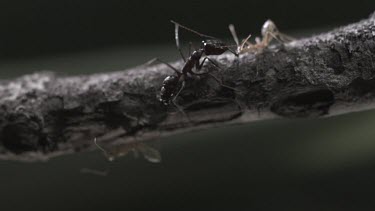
(313, 164)
(44, 27)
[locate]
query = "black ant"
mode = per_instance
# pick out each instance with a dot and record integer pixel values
(174, 84)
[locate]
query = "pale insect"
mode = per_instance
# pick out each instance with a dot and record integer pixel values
(269, 32)
(150, 154)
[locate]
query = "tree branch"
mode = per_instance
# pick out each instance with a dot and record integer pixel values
(43, 115)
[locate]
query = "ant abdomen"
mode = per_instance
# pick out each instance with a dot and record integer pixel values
(268, 27)
(168, 89)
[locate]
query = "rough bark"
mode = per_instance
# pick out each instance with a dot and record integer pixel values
(43, 115)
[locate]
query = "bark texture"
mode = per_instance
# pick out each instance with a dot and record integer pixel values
(43, 115)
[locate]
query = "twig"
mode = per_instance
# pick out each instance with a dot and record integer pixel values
(43, 115)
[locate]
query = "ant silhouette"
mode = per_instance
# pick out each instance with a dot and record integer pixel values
(269, 32)
(174, 84)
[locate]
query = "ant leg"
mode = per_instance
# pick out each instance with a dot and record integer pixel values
(181, 111)
(269, 31)
(208, 73)
(221, 83)
(175, 97)
(176, 36)
(233, 52)
(108, 155)
(245, 41)
(278, 36)
(274, 36)
(190, 47)
(201, 65)
(175, 103)
(259, 45)
(179, 91)
(286, 38)
(267, 39)
(163, 62)
(210, 60)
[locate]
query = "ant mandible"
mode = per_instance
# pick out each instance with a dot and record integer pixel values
(174, 84)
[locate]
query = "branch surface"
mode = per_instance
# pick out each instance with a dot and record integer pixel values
(43, 115)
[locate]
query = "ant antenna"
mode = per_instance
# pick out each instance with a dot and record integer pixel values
(243, 42)
(234, 34)
(191, 30)
(229, 46)
(178, 41)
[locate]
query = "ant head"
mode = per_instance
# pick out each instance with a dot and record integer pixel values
(214, 47)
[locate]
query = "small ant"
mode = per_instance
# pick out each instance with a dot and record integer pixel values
(174, 84)
(269, 32)
(149, 153)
